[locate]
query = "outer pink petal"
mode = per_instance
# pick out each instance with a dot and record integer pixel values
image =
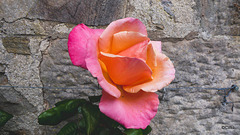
(131, 110)
(126, 70)
(136, 51)
(126, 24)
(77, 43)
(94, 67)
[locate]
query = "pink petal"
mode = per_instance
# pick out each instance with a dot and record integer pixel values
(94, 67)
(77, 43)
(125, 70)
(125, 39)
(163, 74)
(131, 110)
(126, 24)
(137, 51)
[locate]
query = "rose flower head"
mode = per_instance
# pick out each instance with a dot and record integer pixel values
(128, 66)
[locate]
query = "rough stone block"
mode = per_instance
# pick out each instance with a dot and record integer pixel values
(219, 17)
(11, 10)
(19, 45)
(90, 12)
(56, 70)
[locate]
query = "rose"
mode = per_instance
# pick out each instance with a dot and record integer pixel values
(128, 66)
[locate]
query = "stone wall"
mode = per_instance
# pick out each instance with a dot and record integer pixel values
(201, 37)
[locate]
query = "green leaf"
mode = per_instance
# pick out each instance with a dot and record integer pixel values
(91, 115)
(116, 131)
(63, 102)
(147, 130)
(106, 121)
(107, 131)
(50, 117)
(133, 132)
(63, 110)
(69, 129)
(73, 102)
(72, 105)
(94, 99)
(82, 126)
(4, 117)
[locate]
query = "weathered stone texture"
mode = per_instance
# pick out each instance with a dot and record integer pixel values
(17, 45)
(24, 103)
(196, 111)
(57, 71)
(219, 17)
(201, 37)
(213, 63)
(166, 18)
(90, 12)
(11, 10)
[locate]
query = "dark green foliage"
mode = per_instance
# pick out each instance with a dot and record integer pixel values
(93, 122)
(147, 130)
(4, 117)
(69, 129)
(107, 131)
(63, 102)
(62, 111)
(96, 123)
(108, 121)
(50, 117)
(133, 132)
(138, 131)
(94, 99)
(72, 106)
(91, 114)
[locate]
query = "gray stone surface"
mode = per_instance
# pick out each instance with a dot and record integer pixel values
(201, 37)
(213, 63)
(90, 12)
(219, 17)
(24, 103)
(11, 10)
(153, 13)
(56, 70)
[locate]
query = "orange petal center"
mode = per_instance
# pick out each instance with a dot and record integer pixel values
(126, 70)
(125, 39)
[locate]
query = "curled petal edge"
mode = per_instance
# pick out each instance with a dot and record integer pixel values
(93, 65)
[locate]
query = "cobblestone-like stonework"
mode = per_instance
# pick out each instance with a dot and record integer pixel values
(201, 37)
